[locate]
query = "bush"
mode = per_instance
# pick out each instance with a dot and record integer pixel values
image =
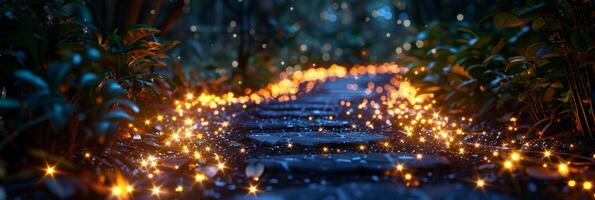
(530, 62)
(60, 82)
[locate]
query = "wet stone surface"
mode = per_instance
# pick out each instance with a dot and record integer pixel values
(300, 106)
(350, 161)
(295, 113)
(316, 138)
(325, 160)
(292, 123)
(362, 190)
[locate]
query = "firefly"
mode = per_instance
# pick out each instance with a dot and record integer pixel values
(515, 156)
(480, 183)
(117, 191)
(189, 96)
(571, 183)
(156, 190)
(587, 185)
(400, 167)
(407, 176)
(563, 169)
(419, 156)
(200, 177)
(121, 190)
(252, 189)
(547, 154)
(50, 171)
(221, 166)
(508, 164)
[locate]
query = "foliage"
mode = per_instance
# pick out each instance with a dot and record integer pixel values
(62, 83)
(132, 58)
(508, 66)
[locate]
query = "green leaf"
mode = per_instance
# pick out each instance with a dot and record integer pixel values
(476, 70)
(494, 59)
(538, 24)
(532, 50)
(529, 9)
(507, 20)
(549, 93)
(114, 41)
(9, 104)
(137, 32)
(31, 78)
(566, 96)
(467, 86)
(468, 31)
(125, 102)
(501, 43)
(517, 61)
(57, 72)
(88, 79)
(117, 114)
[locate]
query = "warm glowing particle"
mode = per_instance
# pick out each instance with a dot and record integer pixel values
(129, 188)
(515, 156)
(407, 176)
(156, 190)
(480, 183)
(419, 156)
(563, 169)
(220, 166)
(199, 177)
(252, 189)
(189, 96)
(508, 164)
(116, 191)
(547, 154)
(400, 167)
(179, 188)
(571, 183)
(587, 185)
(50, 171)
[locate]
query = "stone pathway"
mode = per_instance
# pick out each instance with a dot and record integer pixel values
(309, 149)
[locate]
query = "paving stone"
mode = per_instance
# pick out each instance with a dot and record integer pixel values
(301, 106)
(350, 161)
(321, 99)
(361, 190)
(316, 138)
(275, 123)
(295, 113)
